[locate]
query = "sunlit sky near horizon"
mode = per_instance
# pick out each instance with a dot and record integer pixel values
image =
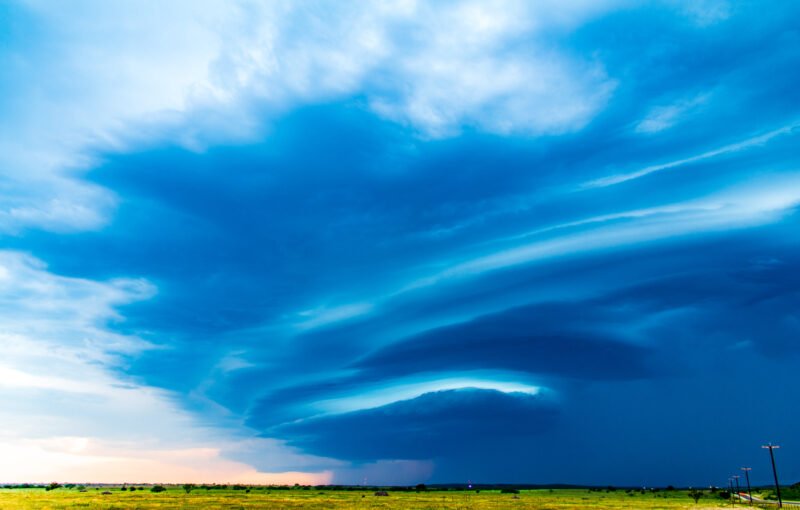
(406, 241)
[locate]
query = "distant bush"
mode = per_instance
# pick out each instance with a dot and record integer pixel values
(508, 490)
(187, 487)
(158, 488)
(52, 486)
(695, 495)
(723, 494)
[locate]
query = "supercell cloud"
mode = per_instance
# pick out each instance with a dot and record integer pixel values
(415, 242)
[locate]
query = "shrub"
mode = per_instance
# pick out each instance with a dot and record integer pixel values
(54, 485)
(158, 488)
(188, 487)
(509, 491)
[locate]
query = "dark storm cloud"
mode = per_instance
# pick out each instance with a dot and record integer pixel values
(429, 426)
(541, 339)
(624, 267)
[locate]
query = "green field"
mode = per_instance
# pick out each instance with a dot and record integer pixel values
(175, 497)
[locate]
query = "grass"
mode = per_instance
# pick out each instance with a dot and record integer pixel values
(176, 498)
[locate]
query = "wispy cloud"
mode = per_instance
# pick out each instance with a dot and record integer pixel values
(745, 144)
(663, 117)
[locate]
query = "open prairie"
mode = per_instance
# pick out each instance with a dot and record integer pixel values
(174, 498)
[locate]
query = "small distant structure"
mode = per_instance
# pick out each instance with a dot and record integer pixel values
(381, 493)
(105, 493)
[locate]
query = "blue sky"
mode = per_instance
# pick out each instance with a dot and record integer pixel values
(410, 242)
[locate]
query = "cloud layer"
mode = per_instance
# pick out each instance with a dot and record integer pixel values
(415, 242)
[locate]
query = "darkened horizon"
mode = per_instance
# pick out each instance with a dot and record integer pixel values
(406, 242)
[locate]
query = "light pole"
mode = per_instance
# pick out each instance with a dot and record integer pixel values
(775, 472)
(747, 476)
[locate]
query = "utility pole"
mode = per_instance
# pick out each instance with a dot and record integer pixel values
(775, 472)
(730, 491)
(736, 477)
(747, 475)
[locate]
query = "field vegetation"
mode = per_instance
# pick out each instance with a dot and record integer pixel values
(251, 497)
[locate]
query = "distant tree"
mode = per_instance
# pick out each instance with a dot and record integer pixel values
(131, 489)
(158, 488)
(695, 495)
(509, 490)
(670, 488)
(187, 487)
(421, 487)
(54, 485)
(723, 494)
